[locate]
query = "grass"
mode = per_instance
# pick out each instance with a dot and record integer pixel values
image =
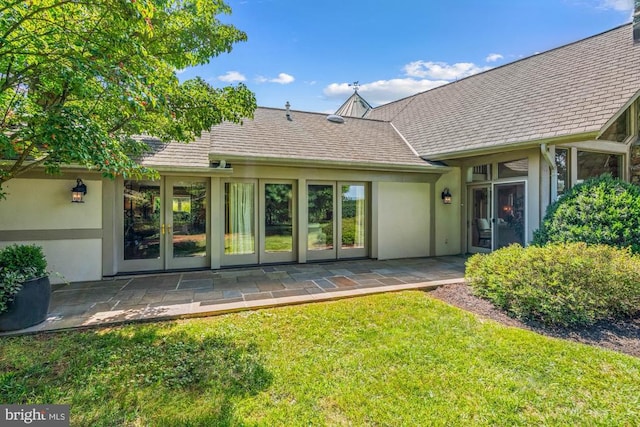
(278, 243)
(390, 359)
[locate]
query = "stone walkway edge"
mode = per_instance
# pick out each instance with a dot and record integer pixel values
(195, 310)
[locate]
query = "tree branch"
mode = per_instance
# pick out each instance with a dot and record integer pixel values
(28, 16)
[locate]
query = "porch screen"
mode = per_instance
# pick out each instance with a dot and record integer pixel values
(239, 218)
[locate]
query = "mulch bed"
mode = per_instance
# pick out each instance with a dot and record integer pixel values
(623, 336)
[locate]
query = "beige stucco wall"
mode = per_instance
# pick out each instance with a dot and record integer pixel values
(45, 204)
(403, 220)
(70, 260)
(39, 211)
(448, 230)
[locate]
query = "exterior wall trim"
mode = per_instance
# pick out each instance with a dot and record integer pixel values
(61, 234)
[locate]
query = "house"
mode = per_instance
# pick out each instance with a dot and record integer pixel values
(467, 167)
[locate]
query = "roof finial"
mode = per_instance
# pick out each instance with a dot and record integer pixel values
(355, 85)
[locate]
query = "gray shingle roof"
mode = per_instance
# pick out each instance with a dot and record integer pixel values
(573, 89)
(306, 137)
(310, 136)
(178, 155)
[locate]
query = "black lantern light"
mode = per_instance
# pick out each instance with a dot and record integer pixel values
(78, 192)
(446, 196)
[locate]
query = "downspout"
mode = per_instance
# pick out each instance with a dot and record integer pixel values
(552, 166)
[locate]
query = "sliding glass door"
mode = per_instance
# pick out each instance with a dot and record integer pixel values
(142, 239)
(321, 233)
(186, 223)
(240, 223)
(353, 221)
(165, 224)
(278, 213)
(331, 236)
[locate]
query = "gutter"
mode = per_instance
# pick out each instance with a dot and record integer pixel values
(329, 164)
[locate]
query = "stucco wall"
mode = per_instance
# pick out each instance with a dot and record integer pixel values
(403, 220)
(448, 222)
(39, 211)
(45, 204)
(70, 260)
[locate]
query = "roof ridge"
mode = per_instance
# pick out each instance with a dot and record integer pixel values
(321, 114)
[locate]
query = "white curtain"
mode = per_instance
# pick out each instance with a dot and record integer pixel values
(360, 216)
(240, 200)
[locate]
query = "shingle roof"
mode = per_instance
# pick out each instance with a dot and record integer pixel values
(310, 136)
(178, 155)
(307, 136)
(573, 89)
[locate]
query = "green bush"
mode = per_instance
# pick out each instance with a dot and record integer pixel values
(601, 210)
(570, 284)
(348, 231)
(19, 263)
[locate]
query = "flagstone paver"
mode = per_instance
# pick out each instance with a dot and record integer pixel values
(202, 293)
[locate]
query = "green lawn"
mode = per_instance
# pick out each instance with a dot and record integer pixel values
(390, 359)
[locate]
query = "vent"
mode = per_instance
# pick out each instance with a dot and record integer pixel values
(335, 118)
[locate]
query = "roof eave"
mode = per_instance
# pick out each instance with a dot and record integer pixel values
(328, 164)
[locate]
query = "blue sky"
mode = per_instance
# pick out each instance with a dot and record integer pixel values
(307, 52)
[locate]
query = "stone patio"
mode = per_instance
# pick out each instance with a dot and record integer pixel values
(202, 293)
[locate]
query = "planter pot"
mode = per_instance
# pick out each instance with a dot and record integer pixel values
(29, 307)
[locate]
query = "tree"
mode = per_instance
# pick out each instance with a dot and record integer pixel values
(80, 78)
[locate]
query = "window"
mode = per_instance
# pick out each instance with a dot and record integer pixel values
(353, 216)
(278, 221)
(479, 173)
(595, 164)
(562, 170)
(320, 220)
(239, 218)
(513, 169)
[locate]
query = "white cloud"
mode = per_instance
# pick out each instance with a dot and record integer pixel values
(383, 91)
(621, 5)
(442, 70)
(232, 76)
(420, 76)
(283, 79)
(493, 57)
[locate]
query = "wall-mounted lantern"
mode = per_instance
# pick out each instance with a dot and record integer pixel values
(78, 192)
(446, 196)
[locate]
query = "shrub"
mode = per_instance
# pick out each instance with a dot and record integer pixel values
(19, 263)
(601, 210)
(571, 284)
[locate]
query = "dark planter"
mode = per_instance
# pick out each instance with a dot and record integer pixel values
(29, 306)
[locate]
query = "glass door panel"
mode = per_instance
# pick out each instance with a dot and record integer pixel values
(480, 219)
(240, 223)
(353, 220)
(320, 221)
(186, 227)
(142, 238)
(279, 237)
(510, 221)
